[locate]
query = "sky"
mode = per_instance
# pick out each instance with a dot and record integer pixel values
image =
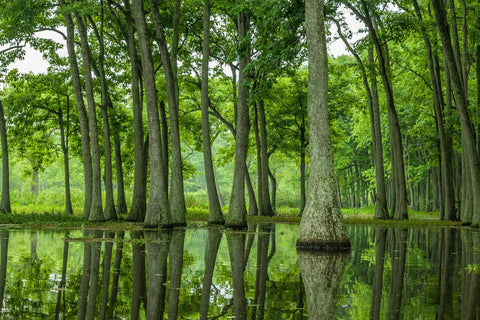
(34, 61)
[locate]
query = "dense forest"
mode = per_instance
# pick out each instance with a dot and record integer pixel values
(151, 107)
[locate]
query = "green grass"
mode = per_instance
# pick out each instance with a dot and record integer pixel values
(48, 212)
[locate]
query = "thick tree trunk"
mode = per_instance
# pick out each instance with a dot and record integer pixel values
(138, 206)
(5, 199)
(158, 211)
(322, 225)
(177, 198)
(96, 209)
(82, 113)
(237, 212)
(468, 136)
(215, 211)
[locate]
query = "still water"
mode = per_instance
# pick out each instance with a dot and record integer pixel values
(216, 274)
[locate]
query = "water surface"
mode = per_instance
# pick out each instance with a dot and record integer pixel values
(216, 274)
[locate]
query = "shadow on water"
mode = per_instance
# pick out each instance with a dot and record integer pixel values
(211, 273)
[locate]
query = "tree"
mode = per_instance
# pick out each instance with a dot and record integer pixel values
(5, 198)
(322, 225)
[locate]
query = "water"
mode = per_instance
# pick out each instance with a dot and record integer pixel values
(389, 274)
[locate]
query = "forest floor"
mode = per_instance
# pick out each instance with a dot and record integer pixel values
(198, 217)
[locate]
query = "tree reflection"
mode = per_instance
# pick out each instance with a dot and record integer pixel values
(139, 288)
(236, 249)
(62, 284)
(399, 252)
(176, 267)
(214, 237)
(157, 244)
(447, 254)
(263, 258)
(4, 235)
(380, 242)
(322, 273)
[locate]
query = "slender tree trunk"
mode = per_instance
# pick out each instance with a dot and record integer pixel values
(109, 212)
(468, 136)
(177, 198)
(96, 209)
(5, 199)
(215, 211)
(237, 212)
(158, 211)
(445, 154)
(322, 225)
(164, 137)
(259, 158)
(121, 201)
(138, 206)
(262, 121)
(66, 164)
(252, 201)
(82, 113)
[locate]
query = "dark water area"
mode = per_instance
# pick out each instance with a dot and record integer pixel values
(206, 273)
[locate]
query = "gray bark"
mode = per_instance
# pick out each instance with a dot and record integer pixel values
(322, 225)
(96, 209)
(5, 199)
(215, 215)
(177, 198)
(82, 113)
(158, 211)
(266, 205)
(237, 212)
(121, 201)
(139, 199)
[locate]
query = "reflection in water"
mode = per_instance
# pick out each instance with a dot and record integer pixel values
(198, 274)
(321, 274)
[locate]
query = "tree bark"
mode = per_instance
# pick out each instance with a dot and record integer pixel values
(236, 217)
(66, 164)
(82, 113)
(96, 209)
(215, 215)
(177, 198)
(5, 198)
(266, 204)
(322, 225)
(121, 201)
(468, 136)
(139, 199)
(158, 211)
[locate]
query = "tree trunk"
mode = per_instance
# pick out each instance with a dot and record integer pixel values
(398, 166)
(66, 164)
(259, 158)
(237, 212)
(121, 201)
(262, 121)
(158, 211)
(445, 153)
(303, 182)
(177, 198)
(5, 199)
(322, 225)
(215, 215)
(96, 210)
(109, 212)
(138, 206)
(468, 136)
(82, 113)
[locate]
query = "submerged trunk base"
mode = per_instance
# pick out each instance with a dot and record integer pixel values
(319, 245)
